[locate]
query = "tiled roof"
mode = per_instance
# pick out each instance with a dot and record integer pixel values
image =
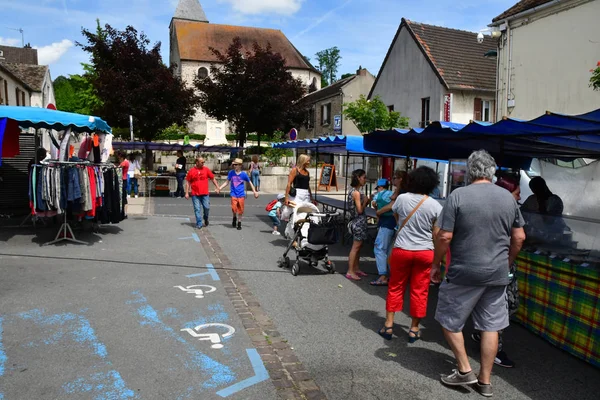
(194, 40)
(190, 10)
(30, 75)
(521, 6)
(328, 91)
(456, 56)
(20, 55)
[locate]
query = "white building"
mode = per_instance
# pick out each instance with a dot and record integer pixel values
(431, 73)
(545, 54)
(192, 36)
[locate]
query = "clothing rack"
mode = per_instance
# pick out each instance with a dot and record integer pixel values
(65, 231)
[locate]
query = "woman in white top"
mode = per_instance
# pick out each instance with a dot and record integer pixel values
(412, 255)
(134, 165)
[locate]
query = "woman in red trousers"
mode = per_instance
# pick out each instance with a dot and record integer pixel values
(412, 255)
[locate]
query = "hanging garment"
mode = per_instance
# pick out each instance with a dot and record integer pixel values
(63, 154)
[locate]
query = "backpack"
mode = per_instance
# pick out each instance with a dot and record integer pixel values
(271, 204)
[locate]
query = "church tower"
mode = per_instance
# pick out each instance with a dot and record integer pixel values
(187, 10)
(190, 10)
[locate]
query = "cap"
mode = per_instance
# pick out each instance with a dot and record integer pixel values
(382, 182)
(280, 196)
(237, 161)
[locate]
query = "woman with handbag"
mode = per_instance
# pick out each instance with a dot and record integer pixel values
(133, 174)
(254, 172)
(412, 255)
(298, 187)
(357, 203)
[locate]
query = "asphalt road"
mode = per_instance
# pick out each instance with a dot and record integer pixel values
(119, 318)
(105, 320)
(330, 322)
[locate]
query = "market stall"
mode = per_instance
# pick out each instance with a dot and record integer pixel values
(159, 181)
(54, 183)
(559, 271)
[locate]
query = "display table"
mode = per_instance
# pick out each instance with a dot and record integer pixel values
(560, 301)
(152, 185)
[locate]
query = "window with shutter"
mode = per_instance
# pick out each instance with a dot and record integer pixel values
(17, 96)
(1, 91)
(6, 91)
(477, 107)
(326, 114)
(23, 99)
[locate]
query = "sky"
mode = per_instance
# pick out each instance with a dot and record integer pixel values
(362, 30)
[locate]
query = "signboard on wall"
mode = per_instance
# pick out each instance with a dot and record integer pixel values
(448, 107)
(337, 123)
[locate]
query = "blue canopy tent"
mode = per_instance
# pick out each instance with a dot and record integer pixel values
(34, 117)
(512, 142)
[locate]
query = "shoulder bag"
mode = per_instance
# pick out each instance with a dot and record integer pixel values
(406, 220)
(292, 191)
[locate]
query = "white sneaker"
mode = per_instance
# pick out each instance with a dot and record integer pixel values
(128, 196)
(136, 196)
(276, 233)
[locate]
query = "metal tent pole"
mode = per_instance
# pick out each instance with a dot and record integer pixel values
(345, 195)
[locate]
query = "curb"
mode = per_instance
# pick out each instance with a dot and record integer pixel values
(287, 373)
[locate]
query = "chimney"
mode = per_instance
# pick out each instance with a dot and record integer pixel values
(361, 71)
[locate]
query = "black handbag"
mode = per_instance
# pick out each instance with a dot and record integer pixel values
(292, 191)
(323, 233)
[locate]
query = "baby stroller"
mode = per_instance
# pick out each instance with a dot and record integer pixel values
(309, 232)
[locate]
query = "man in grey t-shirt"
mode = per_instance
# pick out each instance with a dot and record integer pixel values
(482, 226)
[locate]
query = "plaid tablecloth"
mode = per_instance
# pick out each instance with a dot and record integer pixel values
(561, 302)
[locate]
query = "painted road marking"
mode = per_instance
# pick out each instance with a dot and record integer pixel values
(3, 357)
(211, 271)
(198, 292)
(215, 338)
(193, 360)
(260, 374)
(194, 236)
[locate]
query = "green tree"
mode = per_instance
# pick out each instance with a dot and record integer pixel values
(329, 61)
(595, 78)
(130, 78)
(253, 90)
(344, 76)
(76, 94)
(369, 115)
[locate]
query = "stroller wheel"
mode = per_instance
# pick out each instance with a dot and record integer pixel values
(283, 262)
(330, 267)
(295, 268)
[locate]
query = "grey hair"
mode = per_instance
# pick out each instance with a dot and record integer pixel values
(481, 165)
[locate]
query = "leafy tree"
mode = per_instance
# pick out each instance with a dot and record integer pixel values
(76, 94)
(130, 78)
(253, 90)
(595, 79)
(329, 61)
(346, 76)
(369, 115)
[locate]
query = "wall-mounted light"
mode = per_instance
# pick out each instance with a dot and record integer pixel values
(494, 32)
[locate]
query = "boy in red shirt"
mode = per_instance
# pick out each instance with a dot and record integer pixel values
(197, 180)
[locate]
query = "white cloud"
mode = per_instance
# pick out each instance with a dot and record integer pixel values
(52, 53)
(284, 7)
(10, 42)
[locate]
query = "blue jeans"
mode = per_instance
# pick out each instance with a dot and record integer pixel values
(276, 221)
(205, 202)
(180, 192)
(128, 186)
(383, 246)
(133, 184)
(255, 177)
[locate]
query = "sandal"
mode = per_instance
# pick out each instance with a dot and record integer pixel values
(360, 273)
(386, 332)
(378, 282)
(417, 336)
(353, 278)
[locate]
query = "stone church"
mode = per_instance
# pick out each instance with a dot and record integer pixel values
(191, 36)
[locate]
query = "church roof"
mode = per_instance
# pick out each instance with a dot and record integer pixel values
(194, 41)
(190, 10)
